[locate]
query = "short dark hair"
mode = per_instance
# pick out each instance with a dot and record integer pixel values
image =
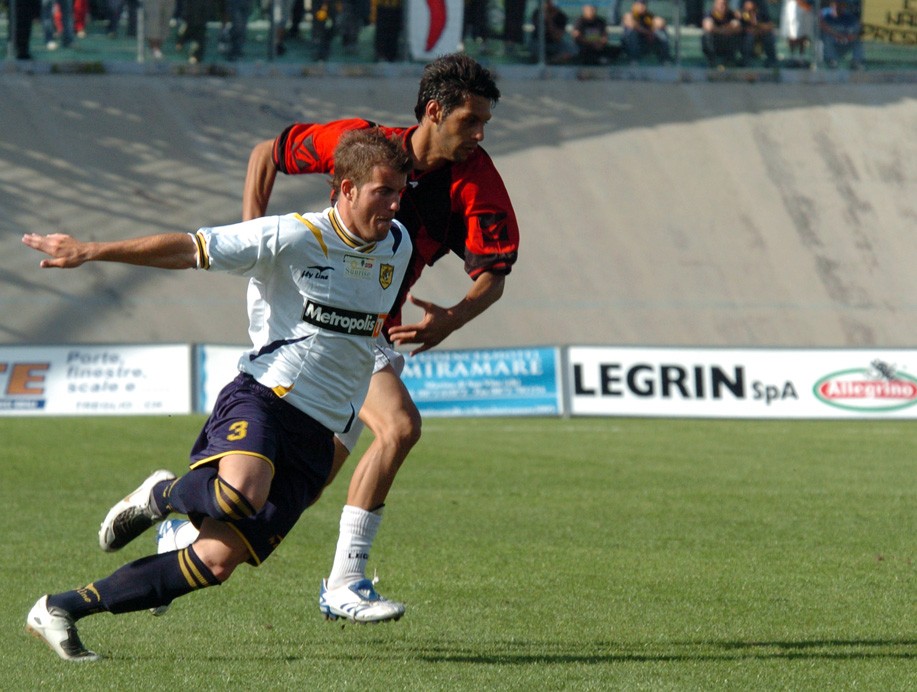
(452, 79)
(359, 151)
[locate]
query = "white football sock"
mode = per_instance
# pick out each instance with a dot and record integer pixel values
(357, 533)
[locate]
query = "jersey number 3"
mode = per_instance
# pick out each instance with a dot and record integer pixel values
(238, 430)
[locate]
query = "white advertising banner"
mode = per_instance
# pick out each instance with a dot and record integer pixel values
(434, 27)
(102, 380)
(742, 383)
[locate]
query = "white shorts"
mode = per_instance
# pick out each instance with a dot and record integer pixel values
(385, 356)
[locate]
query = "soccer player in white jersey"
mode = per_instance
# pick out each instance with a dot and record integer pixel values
(320, 288)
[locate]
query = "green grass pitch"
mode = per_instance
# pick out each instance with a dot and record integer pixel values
(533, 554)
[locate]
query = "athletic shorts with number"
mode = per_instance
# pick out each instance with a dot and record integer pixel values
(248, 418)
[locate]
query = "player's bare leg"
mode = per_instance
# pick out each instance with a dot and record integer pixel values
(395, 422)
(220, 548)
(391, 415)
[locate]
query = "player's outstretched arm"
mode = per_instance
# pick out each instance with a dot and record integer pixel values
(259, 180)
(165, 251)
(437, 322)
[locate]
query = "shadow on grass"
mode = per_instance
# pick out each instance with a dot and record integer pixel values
(610, 652)
(510, 653)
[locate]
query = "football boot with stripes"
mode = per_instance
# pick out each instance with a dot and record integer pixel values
(358, 602)
(57, 629)
(133, 515)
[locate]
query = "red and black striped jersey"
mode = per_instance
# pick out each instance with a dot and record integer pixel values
(460, 207)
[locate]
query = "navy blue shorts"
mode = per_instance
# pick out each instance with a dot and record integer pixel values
(248, 418)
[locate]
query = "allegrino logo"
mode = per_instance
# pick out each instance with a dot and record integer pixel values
(880, 387)
(343, 321)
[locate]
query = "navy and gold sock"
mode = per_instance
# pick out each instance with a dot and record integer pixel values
(202, 491)
(145, 583)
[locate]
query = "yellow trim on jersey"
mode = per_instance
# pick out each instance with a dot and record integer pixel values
(203, 259)
(189, 570)
(255, 559)
(316, 232)
(217, 457)
(346, 237)
(281, 390)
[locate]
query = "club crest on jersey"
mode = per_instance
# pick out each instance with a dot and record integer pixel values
(386, 274)
(359, 267)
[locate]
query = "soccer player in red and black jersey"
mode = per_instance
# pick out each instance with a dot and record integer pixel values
(455, 202)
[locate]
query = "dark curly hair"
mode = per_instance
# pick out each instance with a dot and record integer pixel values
(450, 80)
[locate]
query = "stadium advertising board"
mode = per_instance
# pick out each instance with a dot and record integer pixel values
(752, 383)
(497, 382)
(99, 380)
(890, 21)
(442, 383)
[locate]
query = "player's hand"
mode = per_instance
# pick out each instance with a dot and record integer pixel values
(66, 252)
(437, 323)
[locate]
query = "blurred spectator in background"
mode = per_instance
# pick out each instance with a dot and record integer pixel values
(645, 32)
(694, 13)
(354, 16)
(196, 14)
(156, 16)
(722, 35)
(513, 26)
(333, 18)
(47, 22)
(239, 11)
(757, 33)
(20, 31)
(476, 22)
(281, 10)
(840, 34)
(324, 17)
(80, 11)
(115, 10)
(797, 25)
(590, 34)
(388, 30)
(297, 14)
(558, 45)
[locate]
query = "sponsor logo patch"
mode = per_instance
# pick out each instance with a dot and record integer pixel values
(359, 267)
(342, 321)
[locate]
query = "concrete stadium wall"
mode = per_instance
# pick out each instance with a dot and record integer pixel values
(660, 214)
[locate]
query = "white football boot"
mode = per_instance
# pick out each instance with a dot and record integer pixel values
(57, 629)
(133, 515)
(358, 602)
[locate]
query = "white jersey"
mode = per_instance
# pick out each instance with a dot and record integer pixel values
(317, 299)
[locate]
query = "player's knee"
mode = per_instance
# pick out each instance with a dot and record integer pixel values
(399, 438)
(221, 551)
(403, 430)
(222, 569)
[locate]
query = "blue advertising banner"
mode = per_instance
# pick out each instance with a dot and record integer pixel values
(498, 382)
